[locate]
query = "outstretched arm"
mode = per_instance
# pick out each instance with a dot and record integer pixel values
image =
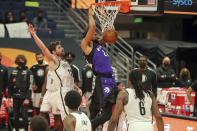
(189, 91)
(40, 44)
(90, 33)
(122, 100)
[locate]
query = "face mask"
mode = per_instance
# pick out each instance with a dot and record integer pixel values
(69, 61)
(40, 62)
(166, 64)
(21, 64)
(142, 65)
(184, 74)
(40, 18)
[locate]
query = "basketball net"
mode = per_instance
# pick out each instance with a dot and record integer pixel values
(106, 15)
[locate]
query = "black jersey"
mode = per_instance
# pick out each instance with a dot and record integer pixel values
(39, 75)
(87, 77)
(76, 74)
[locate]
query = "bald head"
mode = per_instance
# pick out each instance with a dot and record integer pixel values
(166, 59)
(166, 62)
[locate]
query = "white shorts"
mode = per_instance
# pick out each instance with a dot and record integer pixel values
(54, 101)
(36, 99)
(141, 126)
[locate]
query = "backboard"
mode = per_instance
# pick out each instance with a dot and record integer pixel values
(144, 5)
(141, 7)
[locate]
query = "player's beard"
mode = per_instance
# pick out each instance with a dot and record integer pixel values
(61, 54)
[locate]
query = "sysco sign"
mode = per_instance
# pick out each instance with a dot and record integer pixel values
(182, 2)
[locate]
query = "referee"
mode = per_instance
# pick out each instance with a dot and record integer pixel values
(149, 76)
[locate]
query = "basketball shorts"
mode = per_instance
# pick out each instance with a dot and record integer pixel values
(54, 101)
(141, 126)
(36, 99)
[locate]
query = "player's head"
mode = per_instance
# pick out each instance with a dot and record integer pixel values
(38, 123)
(56, 49)
(39, 58)
(69, 56)
(95, 35)
(135, 81)
(21, 60)
(142, 61)
(73, 100)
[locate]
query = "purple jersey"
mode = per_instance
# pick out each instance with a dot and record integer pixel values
(100, 60)
(102, 68)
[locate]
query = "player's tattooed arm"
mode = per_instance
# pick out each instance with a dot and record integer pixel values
(122, 100)
(69, 123)
(156, 113)
(41, 45)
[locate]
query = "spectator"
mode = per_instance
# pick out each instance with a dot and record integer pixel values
(3, 79)
(189, 91)
(38, 71)
(20, 80)
(38, 123)
(184, 78)
(165, 74)
(10, 17)
(23, 17)
(149, 76)
(39, 22)
(69, 56)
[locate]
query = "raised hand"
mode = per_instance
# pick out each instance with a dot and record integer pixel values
(91, 11)
(31, 29)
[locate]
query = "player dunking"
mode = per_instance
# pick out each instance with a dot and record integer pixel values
(59, 77)
(139, 104)
(103, 96)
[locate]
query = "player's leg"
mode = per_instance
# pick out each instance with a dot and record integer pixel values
(104, 116)
(25, 116)
(45, 106)
(58, 111)
(36, 99)
(58, 124)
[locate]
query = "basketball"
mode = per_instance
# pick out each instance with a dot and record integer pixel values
(110, 36)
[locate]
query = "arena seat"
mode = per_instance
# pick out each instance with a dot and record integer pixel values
(43, 33)
(52, 25)
(18, 6)
(58, 34)
(5, 5)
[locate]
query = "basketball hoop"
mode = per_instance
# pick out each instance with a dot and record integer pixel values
(107, 12)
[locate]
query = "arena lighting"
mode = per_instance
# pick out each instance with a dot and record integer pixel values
(180, 12)
(31, 4)
(138, 20)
